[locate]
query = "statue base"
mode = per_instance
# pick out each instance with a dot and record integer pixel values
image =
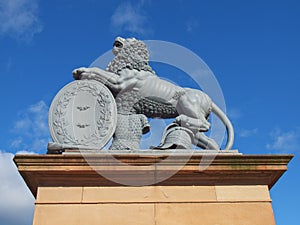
(178, 188)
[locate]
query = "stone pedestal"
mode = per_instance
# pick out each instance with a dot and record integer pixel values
(227, 189)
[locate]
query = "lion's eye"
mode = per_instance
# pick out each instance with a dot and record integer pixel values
(118, 44)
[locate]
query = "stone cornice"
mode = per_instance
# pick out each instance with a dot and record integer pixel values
(186, 169)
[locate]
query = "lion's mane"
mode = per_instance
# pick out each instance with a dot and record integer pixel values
(133, 55)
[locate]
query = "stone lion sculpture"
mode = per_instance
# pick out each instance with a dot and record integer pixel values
(140, 93)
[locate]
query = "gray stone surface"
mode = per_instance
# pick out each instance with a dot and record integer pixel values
(152, 152)
(82, 115)
(138, 90)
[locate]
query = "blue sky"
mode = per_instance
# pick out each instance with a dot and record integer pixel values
(252, 47)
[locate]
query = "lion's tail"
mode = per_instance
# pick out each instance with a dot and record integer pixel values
(230, 132)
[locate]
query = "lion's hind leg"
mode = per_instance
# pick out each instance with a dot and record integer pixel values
(194, 124)
(193, 108)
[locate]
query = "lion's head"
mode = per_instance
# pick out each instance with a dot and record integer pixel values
(129, 53)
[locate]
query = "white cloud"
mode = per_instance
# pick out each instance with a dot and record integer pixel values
(16, 143)
(40, 117)
(22, 124)
(16, 201)
(32, 128)
(19, 19)
(247, 133)
(130, 17)
(285, 142)
(234, 113)
(25, 152)
(33, 120)
(191, 25)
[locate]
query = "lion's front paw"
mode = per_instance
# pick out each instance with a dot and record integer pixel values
(77, 73)
(83, 73)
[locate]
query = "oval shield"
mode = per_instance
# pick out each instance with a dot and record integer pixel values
(83, 115)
